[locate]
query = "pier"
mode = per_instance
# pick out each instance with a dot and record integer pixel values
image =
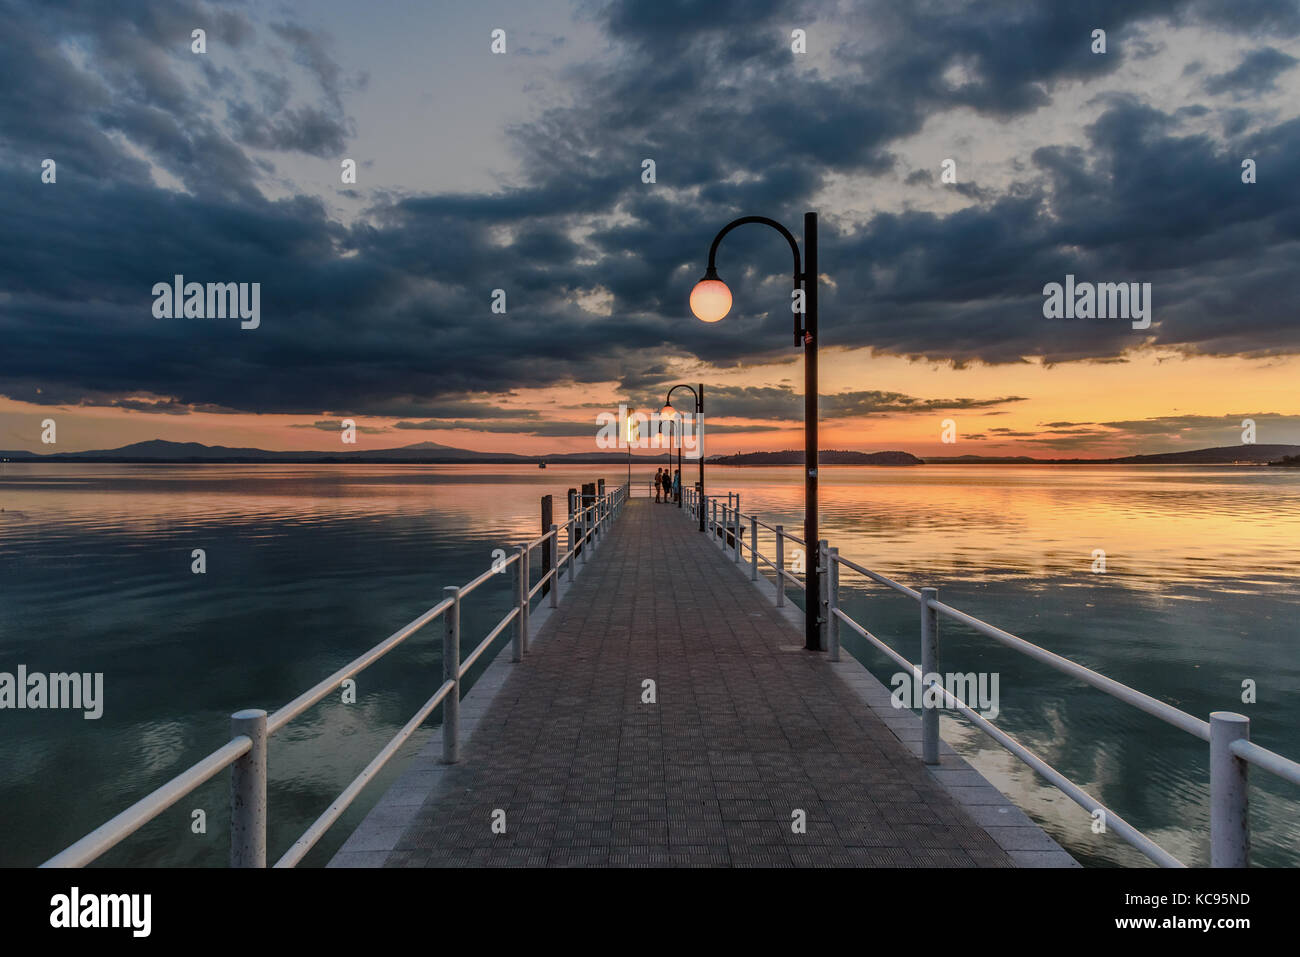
(658, 707)
(667, 714)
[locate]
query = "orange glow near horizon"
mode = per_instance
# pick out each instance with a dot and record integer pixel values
(1063, 412)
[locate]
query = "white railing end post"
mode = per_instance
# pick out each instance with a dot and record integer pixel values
(929, 667)
(823, 594)
(248, 792)
(1229, 792)
(451, 672)
(554, 545)
(521, 599)
(833, 603)
(780, 566)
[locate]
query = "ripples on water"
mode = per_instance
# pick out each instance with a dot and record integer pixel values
(310, 565)
(1199, 594)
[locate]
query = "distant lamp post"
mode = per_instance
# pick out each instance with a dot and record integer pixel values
(669, 412)
(675, 418)
(633, 434)
(711, 301)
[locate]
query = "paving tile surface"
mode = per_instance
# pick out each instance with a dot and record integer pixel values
(747, 729)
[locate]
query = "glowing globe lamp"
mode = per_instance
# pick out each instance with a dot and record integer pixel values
(710, 299)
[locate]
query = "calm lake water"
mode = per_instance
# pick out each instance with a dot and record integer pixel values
(307, 566)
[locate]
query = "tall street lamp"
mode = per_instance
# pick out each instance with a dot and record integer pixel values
(674, 420)
(669, 411)
(633, 434)
(710, 301)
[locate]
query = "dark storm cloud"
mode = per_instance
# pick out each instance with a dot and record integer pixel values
(846, 404)
(304, 129)
(336, 425)
(784, 404)
(311, 50)
(1175, 425)
(520, 426)
(741, 429)
(1174, 430)
(1257, 73)
(391, 316)
(469, 409)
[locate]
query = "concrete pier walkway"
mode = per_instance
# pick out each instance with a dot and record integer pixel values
(746, 733)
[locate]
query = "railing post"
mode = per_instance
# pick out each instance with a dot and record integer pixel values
(823, 594)
(521, 592)
(1229, 792)
(553, 543)
(929, 667)
(451, 672)
(753, 547)
(248, 792)
(735, 523)
(833, 604)
(527, 560)
(780, 566)
(713, 520)
(571, 558)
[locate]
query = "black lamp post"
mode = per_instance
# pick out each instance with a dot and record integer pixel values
(668, 410)
(710, 301)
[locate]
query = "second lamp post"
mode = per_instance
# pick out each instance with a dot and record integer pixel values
(710, 301)
(669, 412)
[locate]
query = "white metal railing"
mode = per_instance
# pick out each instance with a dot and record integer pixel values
(1228, 733)
(246, 752)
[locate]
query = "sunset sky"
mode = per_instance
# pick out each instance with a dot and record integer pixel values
(522, 171)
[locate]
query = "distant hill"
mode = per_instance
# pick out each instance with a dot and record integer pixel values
(1221, 455)
(431, 453)
(981, 460)
(428, 453)
(830, 457)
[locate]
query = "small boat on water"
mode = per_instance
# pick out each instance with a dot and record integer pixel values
(541, 465)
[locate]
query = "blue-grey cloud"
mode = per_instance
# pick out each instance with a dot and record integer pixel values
(389, 314)
(1256, 73)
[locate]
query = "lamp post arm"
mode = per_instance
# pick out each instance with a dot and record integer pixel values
(668, 400)
(794, 246)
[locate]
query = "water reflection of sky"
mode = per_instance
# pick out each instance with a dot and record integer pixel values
(309, 565)
(1199, 594)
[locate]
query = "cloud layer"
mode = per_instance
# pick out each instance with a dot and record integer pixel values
(172, 163)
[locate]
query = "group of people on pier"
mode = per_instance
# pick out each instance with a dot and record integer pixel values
(668, 487)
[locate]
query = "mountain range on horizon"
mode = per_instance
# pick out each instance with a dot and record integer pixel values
(432, 453)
